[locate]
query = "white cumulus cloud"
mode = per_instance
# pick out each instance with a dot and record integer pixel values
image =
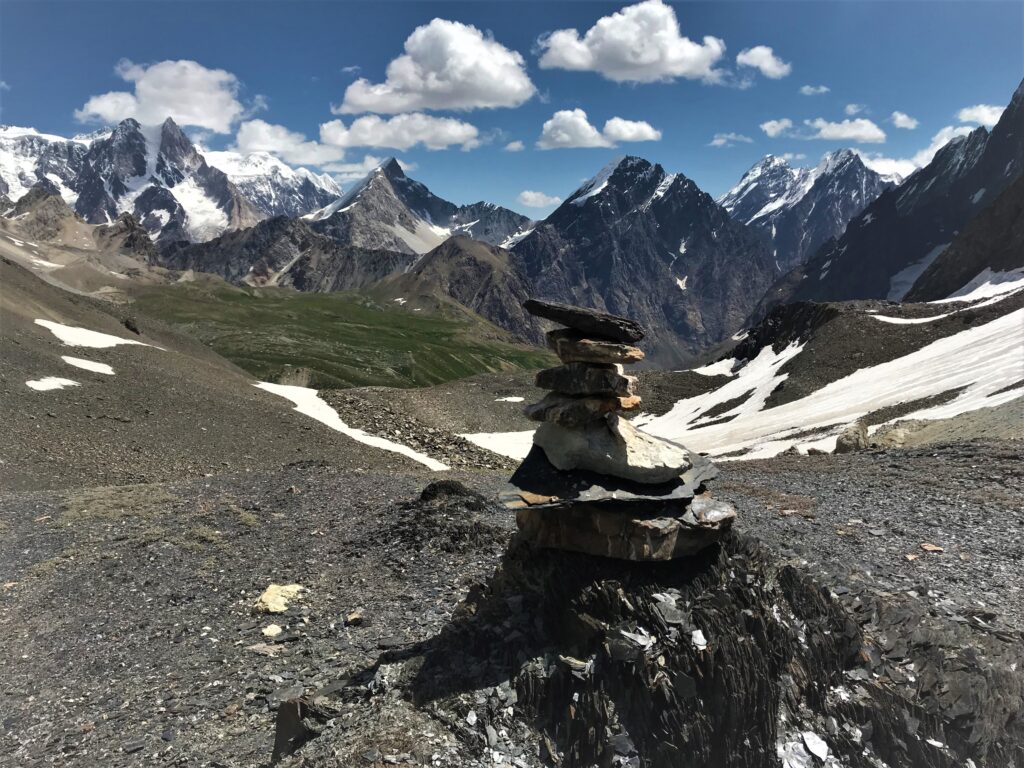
(860, 130)
(184, 90)
(515, 146)
(532, 199)
(814, 90)
(290, 146)
(617, 129)
(446, 65)
(401, 132)
(729, 140)
(570, 128)
(763, 58)
(903, 120)
(776, 128)
(982, 114)
(853, 109)
(641, 43)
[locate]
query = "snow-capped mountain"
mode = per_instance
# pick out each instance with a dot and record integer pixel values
(273, 186)
(27, 156)
(175, 189)
(890, 245)
(156, 173)
(798, 209)
(650, 245)
(389, 211)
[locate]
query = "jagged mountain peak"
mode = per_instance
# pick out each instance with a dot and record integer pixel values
(391, 168)
(798, 209)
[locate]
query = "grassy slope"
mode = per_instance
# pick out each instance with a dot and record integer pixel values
(343, 339)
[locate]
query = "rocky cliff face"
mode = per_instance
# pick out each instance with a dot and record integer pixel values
(890, 245)
(992, 243)
(638, 242)
(286, 252)
(798, 209)
(390, 211)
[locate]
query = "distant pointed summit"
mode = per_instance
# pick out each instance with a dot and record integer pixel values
(798, 209)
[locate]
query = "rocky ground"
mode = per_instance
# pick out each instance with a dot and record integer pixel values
(130, 636)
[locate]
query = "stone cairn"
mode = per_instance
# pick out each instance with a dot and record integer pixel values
(593, 482)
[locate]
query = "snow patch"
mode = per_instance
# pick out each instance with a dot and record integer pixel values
(509, 400)
(987, 284)
(910, 320)
(978, 195)
(88, 365)
(308, 402)
(721, 368)
(902, 281)
(204, 220)
(681, 282)
(50, 382)
(82, 337)
(515, 445)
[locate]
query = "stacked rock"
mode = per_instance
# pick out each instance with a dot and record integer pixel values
(593, 482)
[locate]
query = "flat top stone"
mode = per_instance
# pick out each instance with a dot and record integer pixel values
(587, 321)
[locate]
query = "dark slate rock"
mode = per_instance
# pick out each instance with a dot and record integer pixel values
(587, 321)
(537, 483)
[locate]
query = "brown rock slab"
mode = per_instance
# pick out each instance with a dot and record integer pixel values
(594, 530)
(589, 322)
(587, 379)
(572, 347)
(577, 411)
(612, 446)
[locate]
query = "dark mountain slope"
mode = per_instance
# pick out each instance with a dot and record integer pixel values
(994, 240)
(887, 247)
(287, 252)
(652, 246)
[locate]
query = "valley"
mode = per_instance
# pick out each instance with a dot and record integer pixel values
(305, 464)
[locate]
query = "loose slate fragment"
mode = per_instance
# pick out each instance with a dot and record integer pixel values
(572, 347)
(588, 321)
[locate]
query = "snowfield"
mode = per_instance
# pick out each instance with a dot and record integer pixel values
(307, 402)
(986, 362)
(981, 360)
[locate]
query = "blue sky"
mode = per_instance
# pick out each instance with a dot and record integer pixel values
(266, 75)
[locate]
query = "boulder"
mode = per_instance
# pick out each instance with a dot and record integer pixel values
(577, 411)
(589, 322)
(853, 438)
(572, 347)
(587, 379)
(597, 531)
(612, 446)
